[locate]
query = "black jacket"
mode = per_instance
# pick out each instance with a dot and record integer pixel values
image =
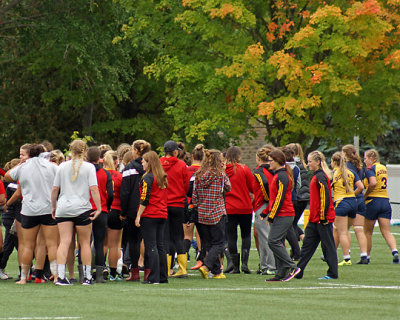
(303, 194)
(129, 192)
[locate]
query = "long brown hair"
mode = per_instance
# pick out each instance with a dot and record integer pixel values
(154, 166)
(341, 163)
(280, 158)
(373, 154)
(211, 162)
(298, 152)
(350, 153)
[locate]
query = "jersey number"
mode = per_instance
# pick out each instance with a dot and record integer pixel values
(384, 181)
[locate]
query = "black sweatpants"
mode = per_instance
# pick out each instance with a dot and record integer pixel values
(10, 242)
(215, 237)
(99, 230)
(314, 234)
(134, 238)
(175, 234)
(244, 221)
(153, 230)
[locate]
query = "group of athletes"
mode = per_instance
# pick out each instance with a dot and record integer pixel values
(132, 208)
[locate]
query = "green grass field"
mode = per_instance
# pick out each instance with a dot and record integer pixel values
(361, 292)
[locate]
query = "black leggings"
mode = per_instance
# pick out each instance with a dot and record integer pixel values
(154, 243)
(99, 229)
(299, 209)
(244, 221)
(134, 238)
(175, 240)
(10, 242)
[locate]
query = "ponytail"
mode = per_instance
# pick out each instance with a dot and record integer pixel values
(339, 158)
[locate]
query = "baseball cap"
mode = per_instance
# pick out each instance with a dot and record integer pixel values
(171, 146)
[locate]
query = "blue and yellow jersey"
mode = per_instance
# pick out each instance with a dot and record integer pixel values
(380, 172)
(339, 188)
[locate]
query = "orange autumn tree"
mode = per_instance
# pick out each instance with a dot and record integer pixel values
(307, 70)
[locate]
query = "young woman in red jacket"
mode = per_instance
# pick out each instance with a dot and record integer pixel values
(280, 215)
(322, 215)
(152, 218)
(239, 208)
(114, 223)
(178, 183)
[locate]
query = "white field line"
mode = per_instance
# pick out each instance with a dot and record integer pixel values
(324, 287)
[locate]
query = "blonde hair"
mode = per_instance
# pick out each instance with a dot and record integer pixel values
(57, 156)
(109, 159)
(141, 146)
(11, 164)
(319, 156)
(339, 159)
(122, 149)
(373, 154)
(154, 166)
(77, 148)
(105, 148)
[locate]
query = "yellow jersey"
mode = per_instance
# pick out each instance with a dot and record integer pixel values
(339, 188)
(378, 171)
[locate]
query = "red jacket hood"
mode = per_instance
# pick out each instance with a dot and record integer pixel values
(230, 169)
(168, 163)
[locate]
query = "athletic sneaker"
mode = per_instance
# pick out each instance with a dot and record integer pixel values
(87, 282)
(291, 274)
(3, 275)
(274, 279)
(363, 261)
(116, 278)
(149, 282)
(40, 280)
(396, 258)
(322, 257)
(63, 282)
(268, 272)
(344, 263)
(219, 276)
(326, 278)
(73, 280)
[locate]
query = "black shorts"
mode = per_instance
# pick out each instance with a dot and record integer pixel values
(18, 216)
(81, 220)
(113, 220)
(29, 222)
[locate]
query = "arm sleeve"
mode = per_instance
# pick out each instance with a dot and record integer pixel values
(110, 190)
(227, 183)
(191, 183)
(262, 182)
(145, 189)
(249, 179)
(282, 184)
(57, 181)
(324, 197)
(92, 178)
(2, 172)
(194, 194)
(14, 173)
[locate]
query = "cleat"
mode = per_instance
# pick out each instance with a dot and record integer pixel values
(363, 261)
(268, 272)
(344, 263)
(396, 258)
(326, 278)
(63, 282)
(116, 278)
(291, 274)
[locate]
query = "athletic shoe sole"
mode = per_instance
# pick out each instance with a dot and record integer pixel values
(292, 275)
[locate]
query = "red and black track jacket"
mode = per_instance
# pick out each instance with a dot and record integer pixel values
(262, 178)
(321, 204)
(105, 184)
(2, 172)
(280, 195)
(129, 192)
(178, 181)
(238, 200)
(153, 198)
(117, 180)
(191, 171)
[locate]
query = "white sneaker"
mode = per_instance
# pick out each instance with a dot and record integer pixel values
(3, 275)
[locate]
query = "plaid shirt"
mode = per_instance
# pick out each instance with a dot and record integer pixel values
(208, 197)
